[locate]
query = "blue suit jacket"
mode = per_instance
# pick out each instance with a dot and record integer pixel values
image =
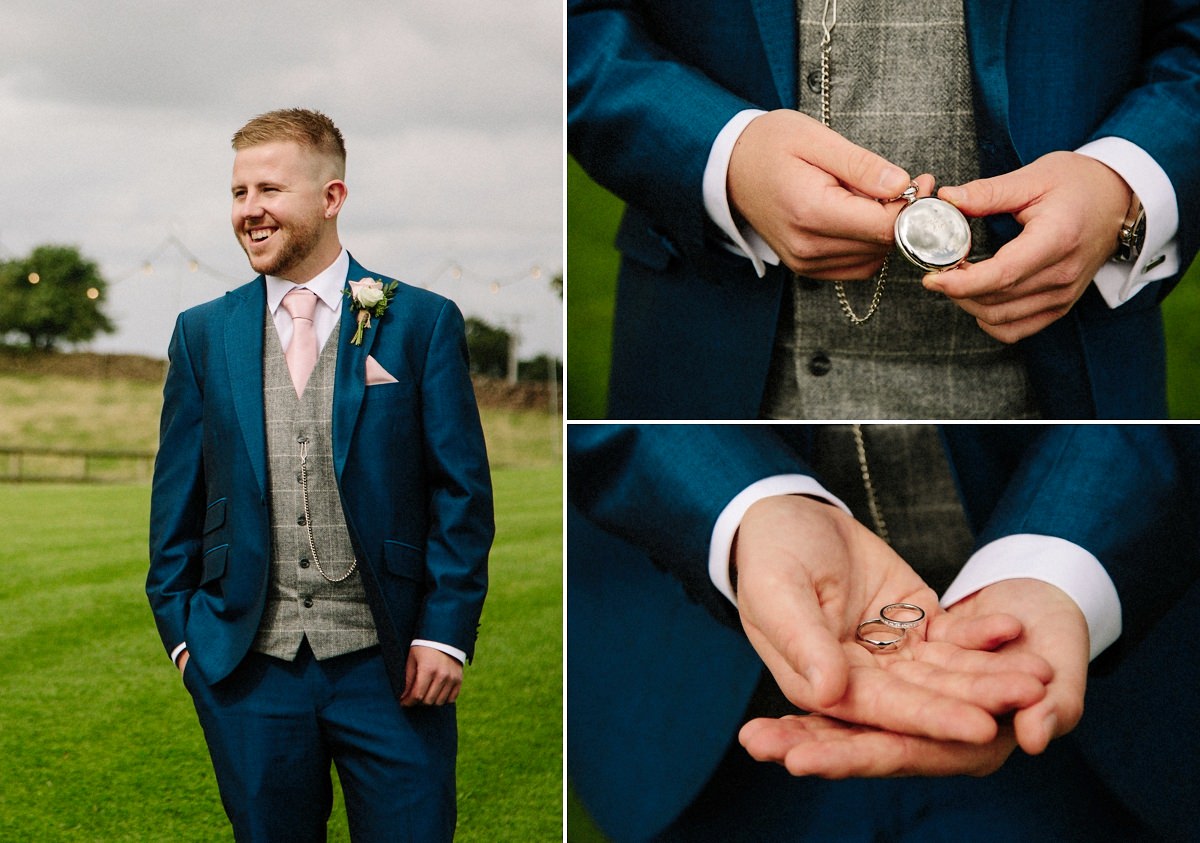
(409, 459)
(659, 682)
(650, 84)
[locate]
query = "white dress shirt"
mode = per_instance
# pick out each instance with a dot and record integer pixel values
(1117, 282)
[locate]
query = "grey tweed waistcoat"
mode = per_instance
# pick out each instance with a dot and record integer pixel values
(900, 87)
(914, 489)
(301, 603)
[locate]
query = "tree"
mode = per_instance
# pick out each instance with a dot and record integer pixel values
(54, 294)
(538, 369)
(487, 346)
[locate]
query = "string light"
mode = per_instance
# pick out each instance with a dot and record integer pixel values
(34, 278)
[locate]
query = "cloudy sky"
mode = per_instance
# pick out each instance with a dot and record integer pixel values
(115, 121)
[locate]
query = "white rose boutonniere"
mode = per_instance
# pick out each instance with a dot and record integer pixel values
(369, 297)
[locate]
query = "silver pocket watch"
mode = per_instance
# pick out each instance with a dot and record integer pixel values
(933, 234)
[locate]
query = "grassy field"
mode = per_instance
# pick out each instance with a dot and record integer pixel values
(56, 412)
(99, 738)
(592, 216)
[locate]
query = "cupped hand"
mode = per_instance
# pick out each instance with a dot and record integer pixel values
(808, 574)
(1053, 629)
(1071, 208)
(814, 196)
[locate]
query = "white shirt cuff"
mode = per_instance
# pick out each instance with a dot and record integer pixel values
(1118, 281)
(721, 544)
(742, 241)
(1052, 560)
(176, 653)
(445, 648)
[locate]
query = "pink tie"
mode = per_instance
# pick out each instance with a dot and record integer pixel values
(301, 354)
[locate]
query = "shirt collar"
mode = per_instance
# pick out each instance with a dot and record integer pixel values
(328, 284)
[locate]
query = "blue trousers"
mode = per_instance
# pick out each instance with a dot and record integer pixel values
(273, 728)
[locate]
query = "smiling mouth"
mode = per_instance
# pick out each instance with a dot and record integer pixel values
(258, 235)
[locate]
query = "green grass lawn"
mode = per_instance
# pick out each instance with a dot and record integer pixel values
(99, 738)
(592, 216)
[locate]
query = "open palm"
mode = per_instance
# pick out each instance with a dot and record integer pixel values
(808, 575)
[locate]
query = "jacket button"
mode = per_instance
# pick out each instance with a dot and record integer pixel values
(814, 81)
(307, 602)
(300, 520)
(304, 563)
(819, 364)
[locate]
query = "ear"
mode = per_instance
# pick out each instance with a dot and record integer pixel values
(334, 195)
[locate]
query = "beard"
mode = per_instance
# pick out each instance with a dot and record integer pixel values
(291, 246)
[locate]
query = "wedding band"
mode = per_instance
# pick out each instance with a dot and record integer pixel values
(902, 615)
(880, 635)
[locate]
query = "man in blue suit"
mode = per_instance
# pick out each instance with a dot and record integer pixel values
(688, 573)
(1081, 112)
(321, 515)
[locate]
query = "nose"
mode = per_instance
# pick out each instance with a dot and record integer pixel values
(248, 206)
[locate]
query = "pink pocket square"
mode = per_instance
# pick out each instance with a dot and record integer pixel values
(376, 374)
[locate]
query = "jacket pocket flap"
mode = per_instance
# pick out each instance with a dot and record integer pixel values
(404, 560)
(214, 516)
(214, 564)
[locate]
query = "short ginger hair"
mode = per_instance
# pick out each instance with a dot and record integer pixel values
(303, 126)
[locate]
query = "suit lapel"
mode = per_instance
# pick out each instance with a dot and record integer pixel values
(350, 382)
(987, 23)
(777, 28)
(243, 357)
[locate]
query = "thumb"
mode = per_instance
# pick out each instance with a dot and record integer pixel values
(857, 168)
(803, 655)
(983, 197)
(410, 679)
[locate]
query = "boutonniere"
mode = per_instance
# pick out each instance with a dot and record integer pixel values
(369, 297)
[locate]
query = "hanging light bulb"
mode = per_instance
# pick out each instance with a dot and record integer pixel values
(93, 293)
(34, 278)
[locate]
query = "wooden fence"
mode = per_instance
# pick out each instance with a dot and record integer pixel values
(48, 465)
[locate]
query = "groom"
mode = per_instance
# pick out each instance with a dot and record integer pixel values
(321, 515)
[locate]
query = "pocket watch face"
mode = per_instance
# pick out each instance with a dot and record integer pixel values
(933, 234)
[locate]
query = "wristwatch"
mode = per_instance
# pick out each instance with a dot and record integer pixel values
(1133, 232)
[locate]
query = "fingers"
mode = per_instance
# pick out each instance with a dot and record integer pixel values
(932, 706)
(986, 632)
(1054, 716)
(1029, 283)
(820, 746)
(857, 168)
(802, 187)
(1007, 685)
(431, 678)
(1004, 194)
